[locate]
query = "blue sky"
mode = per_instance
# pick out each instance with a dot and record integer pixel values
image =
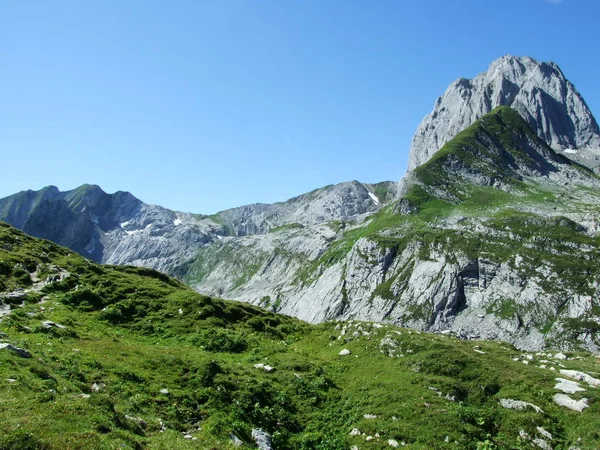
(203, 105)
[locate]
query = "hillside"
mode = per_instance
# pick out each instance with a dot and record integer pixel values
(123, 357)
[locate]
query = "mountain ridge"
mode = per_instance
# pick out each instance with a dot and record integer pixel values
(119, 228)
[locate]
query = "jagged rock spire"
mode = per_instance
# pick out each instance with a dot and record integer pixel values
(538, 91)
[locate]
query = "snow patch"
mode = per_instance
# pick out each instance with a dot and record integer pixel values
(131, 233)
(569, 150)
(374, 198)
(124, 224)
(177, 222)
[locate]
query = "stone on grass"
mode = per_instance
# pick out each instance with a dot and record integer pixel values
(544, 433)
(568, 402)
(235, 441)
(164, 391)
(344, 352)
(262, 439)
(519, 405)
(355, 432)
(568, 386)
(47, 324)
(576, 375)
(264, 367)
(542, 444)
(393, 443)
(370, 416)
(98, 387)
(18, 351)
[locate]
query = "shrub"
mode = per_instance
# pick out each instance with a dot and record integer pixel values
(221, 340)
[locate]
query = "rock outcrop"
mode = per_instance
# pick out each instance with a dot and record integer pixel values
(538, 91)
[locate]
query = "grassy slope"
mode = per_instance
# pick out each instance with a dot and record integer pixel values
(124, 329)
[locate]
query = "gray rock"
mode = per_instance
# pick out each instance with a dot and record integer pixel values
(264, 367)
(262, 439)
(581, 376)
(541, 444)
(47, 324)
(567, 386)
(519, 405)
(540, 93)
(568, 402)
(18, 351)
(235, 441)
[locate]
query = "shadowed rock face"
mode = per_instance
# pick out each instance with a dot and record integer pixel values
(538, 91)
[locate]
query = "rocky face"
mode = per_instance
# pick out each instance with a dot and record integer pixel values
(342, 201)
(538, 91)
(110, 228)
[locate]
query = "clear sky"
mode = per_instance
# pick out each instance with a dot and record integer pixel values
(203, 105)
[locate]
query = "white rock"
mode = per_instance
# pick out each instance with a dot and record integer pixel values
(568, 402)
(393, 443)
(264, 367)
(98, 386)
(355, 432)
(49, 324)
(344, 352)
(370, 416)
(164, 391)
(567, 386)
(576, 375)
(262, 439)
(560, 356)
(518, 404)
(542, 444)
(544, 433)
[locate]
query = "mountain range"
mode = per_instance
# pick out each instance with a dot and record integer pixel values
(492, 233)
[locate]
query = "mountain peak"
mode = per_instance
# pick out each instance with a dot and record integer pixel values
(498, 150)
(538, 91)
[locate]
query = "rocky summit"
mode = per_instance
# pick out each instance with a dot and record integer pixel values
(538, 91)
